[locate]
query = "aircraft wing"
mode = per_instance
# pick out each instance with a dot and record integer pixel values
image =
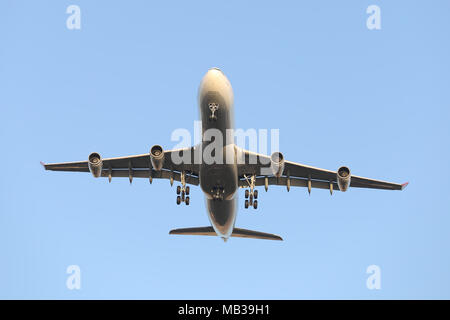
(299, 175)
(138, 166)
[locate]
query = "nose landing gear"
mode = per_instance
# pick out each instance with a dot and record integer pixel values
(183, 191)
(213, 107)
(252, 194)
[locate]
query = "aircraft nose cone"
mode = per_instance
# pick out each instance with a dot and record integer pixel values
(216, 72)
(216, 69)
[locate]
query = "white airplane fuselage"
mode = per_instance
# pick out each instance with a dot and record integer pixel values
(219, 181)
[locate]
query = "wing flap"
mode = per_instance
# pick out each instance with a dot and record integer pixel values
(295, 182)
(163, 174)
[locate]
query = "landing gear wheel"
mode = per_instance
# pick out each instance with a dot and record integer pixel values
(246, 193)
(246, 204)
(255, 194)
(187, 190)
(255, 204)
(187, 201)
(178, 199)
(178, 189)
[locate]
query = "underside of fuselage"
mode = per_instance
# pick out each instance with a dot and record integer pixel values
(218, 177)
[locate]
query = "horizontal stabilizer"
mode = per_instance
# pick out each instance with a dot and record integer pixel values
(198, 231)
(244, 233)
(237, 232)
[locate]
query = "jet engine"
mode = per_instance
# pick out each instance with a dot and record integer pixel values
(95, 164)
(343, 178)
(157, 157)
(277, 164)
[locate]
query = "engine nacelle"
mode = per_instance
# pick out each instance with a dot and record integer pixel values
(343, 178)
(95, 164)
(157, 157)
(277, 164)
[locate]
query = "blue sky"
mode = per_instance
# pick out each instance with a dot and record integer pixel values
(374, 100)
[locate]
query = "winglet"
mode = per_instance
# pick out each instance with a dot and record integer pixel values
(404, 185)
(43, 164)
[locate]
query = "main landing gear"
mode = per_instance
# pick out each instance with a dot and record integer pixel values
(251, 195)
(217, 193)
(183, 191)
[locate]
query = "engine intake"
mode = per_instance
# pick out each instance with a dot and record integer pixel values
(157, 157)
(277, 164)
(95, 164)
(343, 178)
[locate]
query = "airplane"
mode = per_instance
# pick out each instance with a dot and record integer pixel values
(221, 180)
